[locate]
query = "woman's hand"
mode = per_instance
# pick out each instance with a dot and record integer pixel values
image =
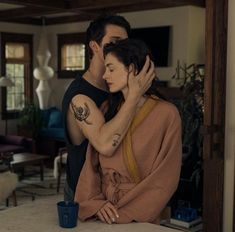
(108, 213)
(139, 84)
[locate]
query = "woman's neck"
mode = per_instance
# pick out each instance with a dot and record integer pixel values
(141, 103)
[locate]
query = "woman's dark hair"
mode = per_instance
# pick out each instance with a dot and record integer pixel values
(128, 51)
(96, 29)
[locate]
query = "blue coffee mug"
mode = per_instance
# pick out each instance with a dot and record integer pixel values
(68, 213)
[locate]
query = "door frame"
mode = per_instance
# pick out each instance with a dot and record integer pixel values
(214, 119)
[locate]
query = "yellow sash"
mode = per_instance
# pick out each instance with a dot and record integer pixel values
(127, 151)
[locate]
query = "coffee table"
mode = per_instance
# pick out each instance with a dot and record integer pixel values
(24, 159)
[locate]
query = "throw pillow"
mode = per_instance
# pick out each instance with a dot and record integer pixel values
(55, 119)
(45, 116)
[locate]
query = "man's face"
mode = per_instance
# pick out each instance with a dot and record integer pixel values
(113, 33)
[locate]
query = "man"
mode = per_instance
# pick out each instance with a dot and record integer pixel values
(83, 119)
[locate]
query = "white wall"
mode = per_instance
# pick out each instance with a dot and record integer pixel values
(196, 36)
(24, 29)
(230, 124)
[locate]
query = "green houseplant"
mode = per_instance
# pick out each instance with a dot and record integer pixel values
(191, 82)
(30, 120)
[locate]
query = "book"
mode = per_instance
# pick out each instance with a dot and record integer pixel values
(196, 228)
(184, 223)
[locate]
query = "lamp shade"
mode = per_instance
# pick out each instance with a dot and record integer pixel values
(6, 82)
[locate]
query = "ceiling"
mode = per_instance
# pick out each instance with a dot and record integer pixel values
(48, 12)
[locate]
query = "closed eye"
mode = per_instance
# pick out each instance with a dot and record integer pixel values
(109, 67)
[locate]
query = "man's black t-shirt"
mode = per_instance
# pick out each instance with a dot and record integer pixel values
(77, 153)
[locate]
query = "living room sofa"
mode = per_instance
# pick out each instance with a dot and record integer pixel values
(15, 144)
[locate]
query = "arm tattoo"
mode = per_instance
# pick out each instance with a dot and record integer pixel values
(81, 113)
(116, 138)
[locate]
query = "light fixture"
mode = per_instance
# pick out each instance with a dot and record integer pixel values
(5, 82)
(43, 72)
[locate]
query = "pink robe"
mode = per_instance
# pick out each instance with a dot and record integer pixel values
(157, 149)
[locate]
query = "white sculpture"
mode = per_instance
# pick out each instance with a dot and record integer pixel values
(43, 73)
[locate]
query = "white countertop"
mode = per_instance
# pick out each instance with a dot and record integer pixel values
(41, 216)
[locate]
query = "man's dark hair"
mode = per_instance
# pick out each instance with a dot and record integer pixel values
(96, 29)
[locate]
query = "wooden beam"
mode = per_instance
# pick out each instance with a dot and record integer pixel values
(96, 4)
(26, 12)
(70, 19)
(30, 21)
(90, 14)
(61, 4)
(86, 9)
(73, 18)
(99, 4)
(139, 6)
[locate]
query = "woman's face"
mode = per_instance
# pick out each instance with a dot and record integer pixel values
(116, 74)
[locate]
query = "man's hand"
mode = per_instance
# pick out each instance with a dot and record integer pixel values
(108, 213)
(139, 84)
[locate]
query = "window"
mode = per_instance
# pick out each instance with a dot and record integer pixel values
(16, 56)
(72, 55)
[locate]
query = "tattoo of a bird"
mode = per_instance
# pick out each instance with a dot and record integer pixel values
(81, 113)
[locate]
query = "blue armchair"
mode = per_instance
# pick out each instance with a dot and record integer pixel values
(52, 124)
(51, 136)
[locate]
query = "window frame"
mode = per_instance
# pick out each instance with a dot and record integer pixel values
(28, 81)
(71, 38)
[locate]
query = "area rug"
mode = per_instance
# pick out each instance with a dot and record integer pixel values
(31, 188)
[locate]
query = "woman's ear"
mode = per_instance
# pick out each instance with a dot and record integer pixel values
(94, 46)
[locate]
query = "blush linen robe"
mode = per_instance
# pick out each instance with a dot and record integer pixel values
(157, 148)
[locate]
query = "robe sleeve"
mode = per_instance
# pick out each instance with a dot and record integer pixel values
(88, 191)
(147, 199)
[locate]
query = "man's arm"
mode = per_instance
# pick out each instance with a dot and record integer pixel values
(106, 136)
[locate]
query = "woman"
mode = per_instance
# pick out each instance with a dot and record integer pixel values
(138, 179)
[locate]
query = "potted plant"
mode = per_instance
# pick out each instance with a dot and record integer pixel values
(191, 111)
(30, 121)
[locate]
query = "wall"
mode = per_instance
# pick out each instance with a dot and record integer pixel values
(196, 36)
(23, 29)
(229, 125)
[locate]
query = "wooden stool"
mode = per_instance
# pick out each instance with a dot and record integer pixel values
(59, 162)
